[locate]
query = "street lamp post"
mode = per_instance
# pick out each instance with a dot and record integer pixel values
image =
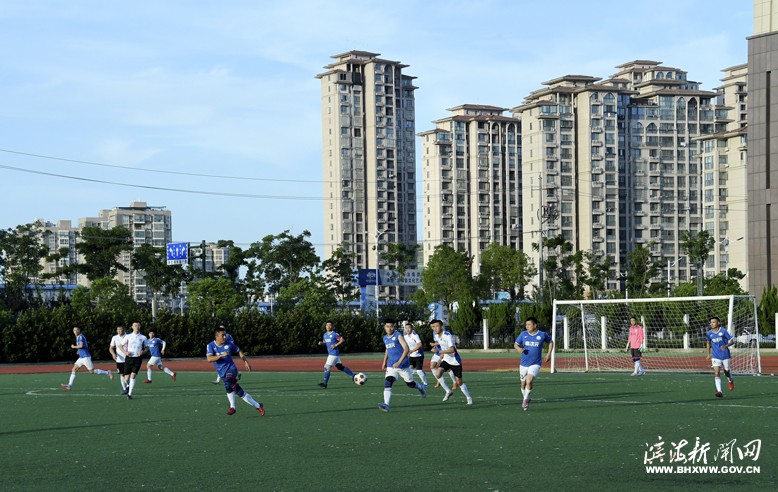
(545, 214)
(377, 304)
(669, 264)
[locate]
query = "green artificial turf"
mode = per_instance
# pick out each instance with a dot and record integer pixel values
(582, 432)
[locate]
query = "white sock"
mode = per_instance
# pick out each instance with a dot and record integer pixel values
(640, 367)
(422, 376)
(132, 385)
(72, 378)
(248, 399)
(218, 378)
(124, 383)
(453, 378)
(148, 374)
(231, 397)
(443, 384)
(167, 371)
(464, 390)
(718, 384)
(387, 395)
(102, 372)
(637, 366)
(526, 395)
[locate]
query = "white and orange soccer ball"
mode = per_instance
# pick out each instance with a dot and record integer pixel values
(360, 378)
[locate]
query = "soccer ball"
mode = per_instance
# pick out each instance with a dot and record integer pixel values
(360, 378)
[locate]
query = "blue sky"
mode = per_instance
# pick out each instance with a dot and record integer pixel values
(229, 89)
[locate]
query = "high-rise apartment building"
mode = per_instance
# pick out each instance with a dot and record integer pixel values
(612, 163)
(762, 148)
(368, 133)
(723, 157)
(147, 225)
(472, 181)
(60, 238)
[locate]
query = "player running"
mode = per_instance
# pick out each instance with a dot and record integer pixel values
(156, 348)
(718, 342)
(530, 345)
(396, 364)
(450, 361)
(220, 351)
(332, 340)
(84, 359)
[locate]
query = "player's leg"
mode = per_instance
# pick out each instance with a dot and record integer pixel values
(345, 369)
(389, 379)
(238, 390)
(434, 362)
(166, 370)
(717, 376)
(149, 363)
(93, 370)
(457, 371)
(72, 378)
(331, 361)
(438, 373)
(728, 373)
(407, 375)
(120, 370)
(218, 379)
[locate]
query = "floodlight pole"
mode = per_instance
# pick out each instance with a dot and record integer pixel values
(377, 296)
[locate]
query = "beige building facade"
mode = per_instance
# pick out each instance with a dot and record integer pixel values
(369, 157)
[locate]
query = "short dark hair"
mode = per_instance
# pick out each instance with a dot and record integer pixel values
(715, 317)
(408, 323)
(220, 328)
(328, 321)
(388, 320)
(432, 322)
(533, 319)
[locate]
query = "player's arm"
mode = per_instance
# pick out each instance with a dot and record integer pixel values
(340, 342)
(419, 346)
(405, 351)
(550, 349)
(211, 357)
(386, 356)
(245, 360)
(112, 350)
(707, 349)
(162, 351)
(122, 349)
(79, 344)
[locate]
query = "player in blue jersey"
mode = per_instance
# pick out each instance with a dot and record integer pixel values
(332, 340)
(450, 361)
(84, 359)
(530, 345)
(229, 340)
(718, 342)
(396, 364)
(156, 348)
(220, 353)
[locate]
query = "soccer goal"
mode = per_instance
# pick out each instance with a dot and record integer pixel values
(591, 335)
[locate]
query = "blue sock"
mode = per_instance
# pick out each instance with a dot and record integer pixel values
(326, 376)
(348, 371)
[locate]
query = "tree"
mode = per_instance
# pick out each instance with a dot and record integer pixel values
(338, 272)
(724, 284)
(214, 299)
(597, 272)
(21, 252)
(507, 269)
(447, 276)
(768, 306)
(640, 270)
(402, 256)
(283, 259)
(697, 247)
(235, 260)
(101, 249)
(159, 276)
(105, 294)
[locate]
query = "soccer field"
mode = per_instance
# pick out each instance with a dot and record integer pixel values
(582, 432)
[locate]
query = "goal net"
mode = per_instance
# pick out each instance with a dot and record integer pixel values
(592, 335)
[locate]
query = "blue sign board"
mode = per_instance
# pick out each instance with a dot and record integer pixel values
(177, 253)
(368, 276)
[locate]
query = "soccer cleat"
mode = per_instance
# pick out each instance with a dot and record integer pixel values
(448, 395)
(65, 387)
(423, 391)
(215, 382)
(634, 374)
(125, 391)
(469, 401)
(129, 396)
(110, 375)
(261, 409)
(642, 372)
(718, 394)
(147, 381)
(384, 407)
(174, 377)
(322, 385)
(731, 386)
(231, 411)
(525, 404)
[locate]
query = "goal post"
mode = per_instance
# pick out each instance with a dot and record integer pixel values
(592, 335)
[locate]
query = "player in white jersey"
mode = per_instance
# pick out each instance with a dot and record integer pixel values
(416, 352)
(84, 359)
(450, 360)
(133, 349)
(117, 341)
(156, 348)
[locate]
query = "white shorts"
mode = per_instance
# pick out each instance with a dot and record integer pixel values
(720, 363)
(435, 359)
(85, 361)
(397, 373)
(155, 361)
(533, 371)
(332, 360)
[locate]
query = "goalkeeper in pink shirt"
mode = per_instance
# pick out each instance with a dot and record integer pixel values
(635, 345)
